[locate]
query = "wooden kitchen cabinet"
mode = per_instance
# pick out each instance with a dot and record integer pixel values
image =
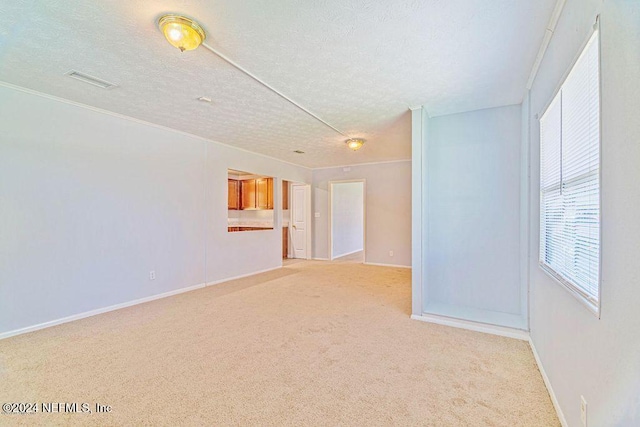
(248, 194)
(234, 194)
(285, 242)
(264, 193)
(285, 195)
(256, 193)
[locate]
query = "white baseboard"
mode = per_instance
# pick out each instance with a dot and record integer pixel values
(97, 311)
(122, 305)
(348, 253)
(320, 259)
(387, 265)
(474, 326)
(547, 383)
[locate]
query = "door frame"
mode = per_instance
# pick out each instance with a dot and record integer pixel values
(364, 215)
(307, 202)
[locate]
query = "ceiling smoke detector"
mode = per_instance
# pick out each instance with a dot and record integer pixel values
(90, 79)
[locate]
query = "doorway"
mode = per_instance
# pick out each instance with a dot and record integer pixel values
(347, 219)
(298, 232)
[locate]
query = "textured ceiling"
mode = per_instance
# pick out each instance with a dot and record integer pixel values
(358, 64)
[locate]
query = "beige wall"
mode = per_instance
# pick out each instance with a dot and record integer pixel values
(387, 210)
(581, 354)
(91, 202)
(472, 249)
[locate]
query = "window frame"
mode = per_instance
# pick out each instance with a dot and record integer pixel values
(585, 299)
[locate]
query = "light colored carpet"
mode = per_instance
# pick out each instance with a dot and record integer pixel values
(314, 343)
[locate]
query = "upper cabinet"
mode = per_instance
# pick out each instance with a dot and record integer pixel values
(234, 194)
(285, 195)
(250, 194)
(264, 193)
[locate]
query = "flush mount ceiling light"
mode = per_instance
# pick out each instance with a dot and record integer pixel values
(182, 32)
(355, 143)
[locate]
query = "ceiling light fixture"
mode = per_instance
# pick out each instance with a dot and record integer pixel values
(355, 143)
(182, 32)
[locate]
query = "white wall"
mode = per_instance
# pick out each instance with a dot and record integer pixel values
(388, 210)
(581, 354)
(347, 218)
(472, 217)
(419, 218)
(90, 202)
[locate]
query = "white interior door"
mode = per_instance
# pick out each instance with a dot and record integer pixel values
(300, 197)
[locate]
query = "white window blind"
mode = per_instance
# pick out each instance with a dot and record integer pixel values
(570, 180)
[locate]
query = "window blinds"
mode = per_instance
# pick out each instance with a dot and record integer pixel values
(570, 179)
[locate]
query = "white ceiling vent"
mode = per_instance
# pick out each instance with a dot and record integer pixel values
(90, 79)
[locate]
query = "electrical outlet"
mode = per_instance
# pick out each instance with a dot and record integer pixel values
(317, 215)
(583, 411)
(390, 253)
(152, 275)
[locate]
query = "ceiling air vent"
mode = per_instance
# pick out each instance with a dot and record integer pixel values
(90, 79)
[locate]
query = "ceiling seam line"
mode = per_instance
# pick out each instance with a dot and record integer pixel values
(271, 88)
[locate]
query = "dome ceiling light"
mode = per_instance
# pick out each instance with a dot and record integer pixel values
(182, 32)
(355, 143)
